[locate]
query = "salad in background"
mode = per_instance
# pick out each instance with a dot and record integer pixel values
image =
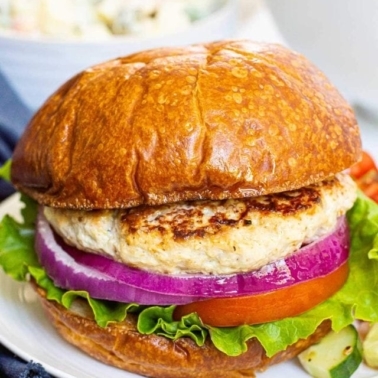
(101, 19)
(339, 354)
(365, 173)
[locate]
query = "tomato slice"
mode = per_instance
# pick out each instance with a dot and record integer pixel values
(372, 191)
(269, 306)
(368, 183)
(362, 167)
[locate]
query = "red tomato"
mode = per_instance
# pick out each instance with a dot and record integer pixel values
(266, 307)
(366, 175)
(362, 167)
(372, 191)
(369, 185)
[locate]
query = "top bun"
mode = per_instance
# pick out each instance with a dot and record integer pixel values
(219, 120)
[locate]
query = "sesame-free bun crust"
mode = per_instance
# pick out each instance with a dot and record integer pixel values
(222, 120)
(120, 345)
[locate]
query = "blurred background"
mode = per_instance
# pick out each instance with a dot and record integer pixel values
(45, 42)
(341, 38)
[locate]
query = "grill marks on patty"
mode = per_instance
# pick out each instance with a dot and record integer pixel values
(186, 219)
(209, 237)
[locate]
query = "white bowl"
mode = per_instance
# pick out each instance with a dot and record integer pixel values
(37, 67)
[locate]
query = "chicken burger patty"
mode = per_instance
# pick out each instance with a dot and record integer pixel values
(210, 237)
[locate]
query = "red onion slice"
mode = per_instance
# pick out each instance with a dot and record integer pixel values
(60, 260)
(69, 274)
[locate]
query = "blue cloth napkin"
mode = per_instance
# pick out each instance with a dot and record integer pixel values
(14, 116)
(13, 367)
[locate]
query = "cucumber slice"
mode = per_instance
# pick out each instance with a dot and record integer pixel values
(370, 346)
(337, 355)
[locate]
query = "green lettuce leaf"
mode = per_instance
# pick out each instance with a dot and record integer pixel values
(159, 320)
(5, 171)
(104, 311)
(357, 299)
(17, 239)
(17, 243)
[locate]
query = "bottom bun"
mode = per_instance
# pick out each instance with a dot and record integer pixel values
(122, 346)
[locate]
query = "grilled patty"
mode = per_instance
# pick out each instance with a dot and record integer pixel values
(210, 237)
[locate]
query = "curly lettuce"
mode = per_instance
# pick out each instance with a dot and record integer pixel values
(358, 298)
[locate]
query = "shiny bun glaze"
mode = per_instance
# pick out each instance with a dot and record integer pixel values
(228, 119)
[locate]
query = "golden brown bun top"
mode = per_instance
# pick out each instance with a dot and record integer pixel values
(227, 119)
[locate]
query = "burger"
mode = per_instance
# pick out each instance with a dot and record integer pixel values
(195, 216)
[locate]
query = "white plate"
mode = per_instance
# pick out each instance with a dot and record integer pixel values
(25, 331)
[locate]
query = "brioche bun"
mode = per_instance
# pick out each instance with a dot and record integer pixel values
(229, 119)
